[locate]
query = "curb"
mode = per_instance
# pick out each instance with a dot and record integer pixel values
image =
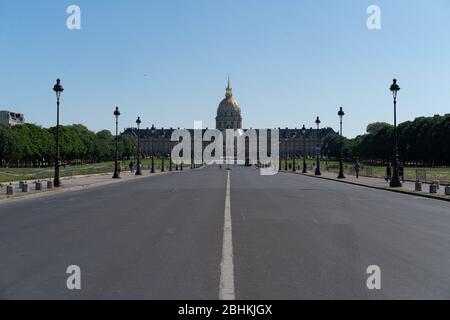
(16, 182)
(412, 193)
(46, 192)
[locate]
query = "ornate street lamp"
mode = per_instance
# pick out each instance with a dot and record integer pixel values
(153, 152)
(318, 173)
(280, 160)
(138, 170)
(294, 155)
(341, 114)
(58, 88)
(116, 161)
(395, 181)
(304, 150)
(286, 154)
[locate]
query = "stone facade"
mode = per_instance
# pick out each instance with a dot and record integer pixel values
(157, 141)
(11, 118)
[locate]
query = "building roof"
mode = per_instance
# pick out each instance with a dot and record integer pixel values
(228, 106)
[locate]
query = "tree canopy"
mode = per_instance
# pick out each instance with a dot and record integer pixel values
(425, 141)
(32, 145)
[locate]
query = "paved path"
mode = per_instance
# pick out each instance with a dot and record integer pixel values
(167, 237)
(407, 186)
(75, 182)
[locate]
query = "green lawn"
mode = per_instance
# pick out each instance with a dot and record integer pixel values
(432, 174)
(17, 174)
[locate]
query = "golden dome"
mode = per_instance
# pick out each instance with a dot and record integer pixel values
(229, 107)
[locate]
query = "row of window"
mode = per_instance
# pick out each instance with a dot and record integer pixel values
(229, 125)
(228, 114)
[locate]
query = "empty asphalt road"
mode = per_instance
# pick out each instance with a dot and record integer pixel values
(200, 235)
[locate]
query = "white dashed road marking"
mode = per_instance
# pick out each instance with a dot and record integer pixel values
(226, 267)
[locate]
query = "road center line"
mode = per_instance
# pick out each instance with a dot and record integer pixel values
(226, 267)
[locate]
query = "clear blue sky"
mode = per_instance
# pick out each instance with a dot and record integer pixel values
(168, 61)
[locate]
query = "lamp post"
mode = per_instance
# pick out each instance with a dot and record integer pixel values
(138, 170)
(341, 114)
(153, 151)
(162, 163)
(58, 88)
(304, 150)
(395, 181)
(280, 160)
(286, 154)
(318, 173)
(116, 161)
(293, 153)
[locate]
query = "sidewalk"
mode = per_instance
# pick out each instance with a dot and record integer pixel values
(73, 184)
(381, 184)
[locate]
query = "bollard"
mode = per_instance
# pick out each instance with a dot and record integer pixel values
(25, 187)
(9, 190)
(447, 190)
(38, 185)
(433, 188)
(49, 184)
(418, 186)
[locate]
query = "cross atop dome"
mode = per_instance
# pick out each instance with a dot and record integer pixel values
(229, 90)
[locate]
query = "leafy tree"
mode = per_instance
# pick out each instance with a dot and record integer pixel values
(104, 148)
(127, 146)
(331, 146)
(88, 139)
(424, 141)
(10, 146)
(36, 144)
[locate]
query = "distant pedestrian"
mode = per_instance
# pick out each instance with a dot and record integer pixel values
(131, 165)
(388, 172)
(119, 168)
(402, 172)
(357, 168)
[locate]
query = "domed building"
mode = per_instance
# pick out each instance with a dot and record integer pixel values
(292, 141)
(229, 112)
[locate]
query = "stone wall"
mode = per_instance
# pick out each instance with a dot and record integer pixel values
(157, 141)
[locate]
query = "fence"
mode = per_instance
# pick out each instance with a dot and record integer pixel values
(10, 175)
(70, 172)
(410, 174)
